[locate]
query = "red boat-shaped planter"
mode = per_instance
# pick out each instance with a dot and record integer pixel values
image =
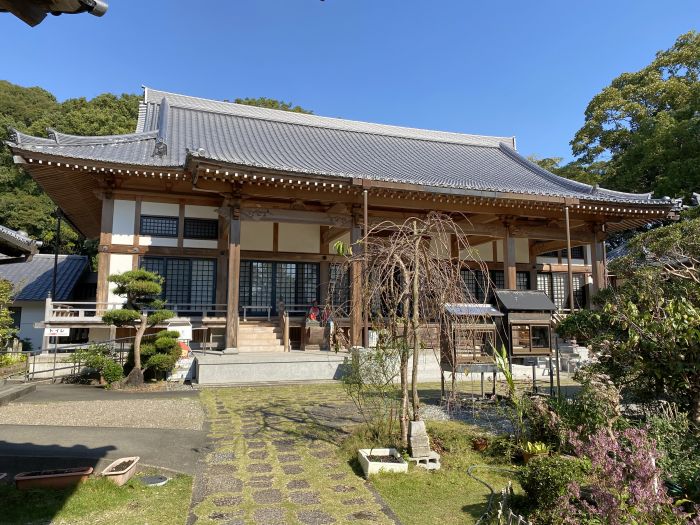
(52, 479)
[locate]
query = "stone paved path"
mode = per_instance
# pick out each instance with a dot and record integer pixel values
(273, 459)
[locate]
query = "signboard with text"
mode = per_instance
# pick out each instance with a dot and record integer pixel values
(56, 332)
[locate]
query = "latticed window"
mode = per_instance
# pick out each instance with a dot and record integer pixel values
(158, 226)
(498, 279)
(201, 228)
(339, 287)
(267, 283)
(556, 286)
(186, 281)
(522, 280)
(576, 252)
(474, 284)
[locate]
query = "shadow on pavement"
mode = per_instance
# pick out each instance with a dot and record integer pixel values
(40, 505)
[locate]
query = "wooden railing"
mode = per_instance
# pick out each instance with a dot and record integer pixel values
(253, 307)
(66, 312)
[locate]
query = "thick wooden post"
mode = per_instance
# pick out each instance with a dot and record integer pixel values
(102, 295)
(355, 288)
(324, 270)
(598, 261)
(533, 266)
(509, 261)
(234, 271)
(569, 268)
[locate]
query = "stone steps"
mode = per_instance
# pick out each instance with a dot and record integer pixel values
(259, 337)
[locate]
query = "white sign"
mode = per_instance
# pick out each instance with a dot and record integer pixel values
(56, 332)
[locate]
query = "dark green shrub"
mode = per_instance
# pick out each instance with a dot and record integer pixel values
(546, 478)
(112, 371)
(583, 325)
(98, 357)
(159, 352)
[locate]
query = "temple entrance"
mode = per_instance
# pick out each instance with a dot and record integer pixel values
(264, 284)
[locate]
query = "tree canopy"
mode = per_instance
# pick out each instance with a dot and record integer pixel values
(642, 132)
(271, 103)
(23, 205)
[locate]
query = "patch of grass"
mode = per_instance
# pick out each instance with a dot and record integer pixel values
(448, 496)
(98, 501)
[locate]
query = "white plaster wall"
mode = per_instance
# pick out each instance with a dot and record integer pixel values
(166, 209)
(301, 238)
(118, 263)
(547, 260)
(499, 251)
(256, 235)
(32, 312)
(200, 212)
(199, 243)
(123, 222)
(147, 240)
(482, 252)
(522, 250)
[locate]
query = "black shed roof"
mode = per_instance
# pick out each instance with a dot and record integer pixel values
(525, 300)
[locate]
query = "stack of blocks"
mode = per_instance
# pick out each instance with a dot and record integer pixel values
(420, 447)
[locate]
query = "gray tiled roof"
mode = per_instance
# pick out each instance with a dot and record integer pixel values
(172, 127)
(15, 243)
(525, 300)
(33, 279)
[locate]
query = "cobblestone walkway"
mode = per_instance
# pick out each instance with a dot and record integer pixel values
(273, 460)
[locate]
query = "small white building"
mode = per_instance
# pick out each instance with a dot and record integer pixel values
(32, 276)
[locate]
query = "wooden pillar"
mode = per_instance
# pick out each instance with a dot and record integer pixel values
(569, 268)
(454, 246)
(355, 288)
(598, 261)
(104, 248)
(509, 261)
(234, 271)
(222, 258)
(324, 270)
(533, 266)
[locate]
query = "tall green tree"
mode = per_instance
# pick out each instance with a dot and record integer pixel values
(143, 309)
(271, 103)
(23, 205)
(7, 325)
(646, 124)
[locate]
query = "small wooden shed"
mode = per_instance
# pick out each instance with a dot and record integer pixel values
(527, 324)
(468, 336)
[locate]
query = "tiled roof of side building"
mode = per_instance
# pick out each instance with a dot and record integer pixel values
(33, 278)
(172, 127)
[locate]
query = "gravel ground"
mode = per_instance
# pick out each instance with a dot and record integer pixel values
(183, 414)
(485, 416)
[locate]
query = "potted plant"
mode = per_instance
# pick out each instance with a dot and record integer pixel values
(121, 470)
(52, 479)
(480, 444)
(375, 460)
(532, 449)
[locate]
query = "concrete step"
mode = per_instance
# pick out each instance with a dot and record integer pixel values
(258, 337)
(260, 348)
(259, 330)
(11, 391)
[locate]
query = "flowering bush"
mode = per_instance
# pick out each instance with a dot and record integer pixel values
(625, 483)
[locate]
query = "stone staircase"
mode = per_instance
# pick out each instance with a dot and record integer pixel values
(259, 336)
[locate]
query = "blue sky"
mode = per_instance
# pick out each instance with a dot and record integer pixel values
(499, 68)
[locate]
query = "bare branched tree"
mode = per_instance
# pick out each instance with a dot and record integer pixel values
(409, 274)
